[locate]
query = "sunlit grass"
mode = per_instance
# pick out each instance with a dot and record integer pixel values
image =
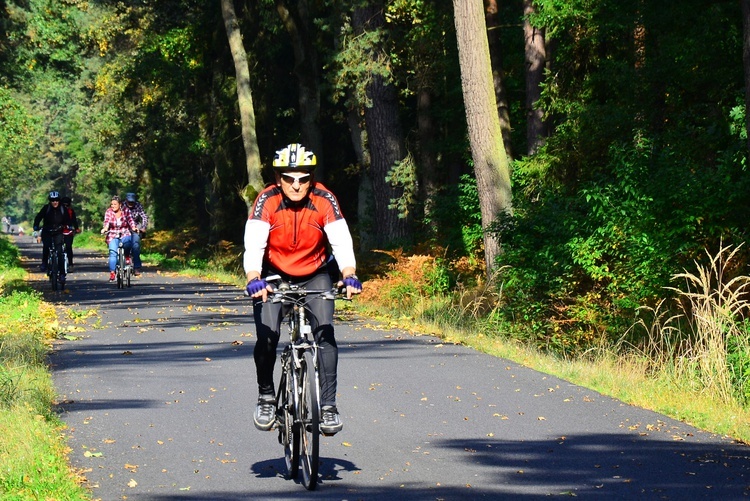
(33, 464)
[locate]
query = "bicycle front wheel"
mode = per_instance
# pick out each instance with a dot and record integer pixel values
(310, 410)
(289, 431)
(54, 270)
(120, 268)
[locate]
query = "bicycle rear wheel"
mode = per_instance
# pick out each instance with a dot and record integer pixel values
(310, 410)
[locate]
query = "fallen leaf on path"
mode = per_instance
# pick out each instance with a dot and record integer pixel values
(132, 483)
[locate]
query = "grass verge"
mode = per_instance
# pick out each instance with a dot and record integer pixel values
(33, 452)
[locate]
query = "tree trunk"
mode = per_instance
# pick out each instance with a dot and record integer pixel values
(490, 160)
(427, 159)
(298, 25)
(536, 60)
(746, 63)
(496, 57)
(245, 99)
(365, 198)
(384, 136)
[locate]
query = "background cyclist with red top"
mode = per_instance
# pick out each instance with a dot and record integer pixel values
(292, 226)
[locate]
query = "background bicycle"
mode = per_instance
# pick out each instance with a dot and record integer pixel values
(57, 263)
(123, 268)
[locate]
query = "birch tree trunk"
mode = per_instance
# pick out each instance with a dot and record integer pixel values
(245, 100)
(490, 161)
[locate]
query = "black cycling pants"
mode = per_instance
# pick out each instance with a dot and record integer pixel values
(69, 247)
(268, 317)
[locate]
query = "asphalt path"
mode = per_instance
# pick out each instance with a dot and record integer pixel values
(158, 390)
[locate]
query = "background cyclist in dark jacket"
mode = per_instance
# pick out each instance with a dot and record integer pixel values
(53, 218)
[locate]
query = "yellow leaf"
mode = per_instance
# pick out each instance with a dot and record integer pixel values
(132, 483)
(346, 444)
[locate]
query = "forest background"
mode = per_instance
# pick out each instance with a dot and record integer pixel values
(623, 130)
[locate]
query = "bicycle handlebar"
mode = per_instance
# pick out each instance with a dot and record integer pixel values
(294, 293)
(291, 292)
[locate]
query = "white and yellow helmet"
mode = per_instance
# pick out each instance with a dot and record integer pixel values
(294, 157)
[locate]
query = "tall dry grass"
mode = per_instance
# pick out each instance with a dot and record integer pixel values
(693, 340)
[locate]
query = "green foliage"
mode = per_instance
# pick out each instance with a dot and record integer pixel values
(645, 169)
(9, 256)
(403, 175)
(356, 64)
(456, 215)
(738, 362)
(19, 128)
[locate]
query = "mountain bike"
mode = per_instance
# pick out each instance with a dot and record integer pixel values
(298, 412)
(123, 269)
(57, 262)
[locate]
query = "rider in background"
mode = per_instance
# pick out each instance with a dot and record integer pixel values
(141, 219)
(54, 219)
(119, 227)
(290, 229)
(70, 230)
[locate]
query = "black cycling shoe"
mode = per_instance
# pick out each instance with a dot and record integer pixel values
(331, 422)
(265, 412)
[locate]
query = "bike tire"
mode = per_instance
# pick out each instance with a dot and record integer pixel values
(288, 429)
(54, 270)
(128, 273)
(310, 429)
(120, 267)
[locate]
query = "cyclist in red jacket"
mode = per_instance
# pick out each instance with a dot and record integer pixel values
(292, 226)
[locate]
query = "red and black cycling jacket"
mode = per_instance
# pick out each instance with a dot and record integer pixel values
(297, 243)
